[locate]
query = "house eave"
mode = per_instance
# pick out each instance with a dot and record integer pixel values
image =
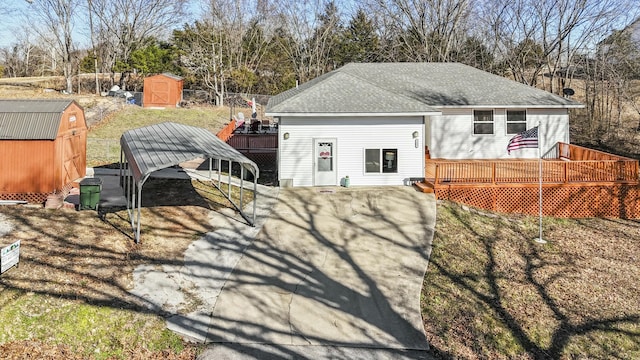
(353, 114)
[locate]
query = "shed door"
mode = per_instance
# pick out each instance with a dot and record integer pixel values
(160, 92)
(324, 164)
(71, 159)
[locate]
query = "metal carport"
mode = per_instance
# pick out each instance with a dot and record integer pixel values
(151, 148)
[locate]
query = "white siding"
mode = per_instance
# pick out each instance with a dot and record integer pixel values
(353, 135)
(452, 134)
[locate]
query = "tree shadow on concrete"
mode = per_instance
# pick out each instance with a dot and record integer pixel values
(295, 256)
(94, 266)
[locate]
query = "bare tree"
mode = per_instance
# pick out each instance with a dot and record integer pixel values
(124, 25)
(533, 37)
(201, 55)
(57, 18)
(425, 30)
(243, 29)
(313, 27)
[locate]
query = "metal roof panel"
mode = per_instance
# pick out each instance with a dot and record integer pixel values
(163, 145)
(31, 119)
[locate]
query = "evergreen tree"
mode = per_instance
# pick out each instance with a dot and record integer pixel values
(155, 58)
(360, 43)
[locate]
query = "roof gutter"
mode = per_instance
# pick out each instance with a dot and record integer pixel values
(352, 114)
(523, 106)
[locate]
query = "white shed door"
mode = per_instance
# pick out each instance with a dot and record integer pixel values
(324, 167)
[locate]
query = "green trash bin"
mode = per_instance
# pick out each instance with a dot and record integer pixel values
(90, 193)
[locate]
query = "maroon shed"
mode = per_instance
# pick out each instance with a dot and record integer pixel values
(163, 90)
(43, 146)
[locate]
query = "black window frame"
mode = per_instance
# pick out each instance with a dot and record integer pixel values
(479, 124)
(385, 161)
(522, 124)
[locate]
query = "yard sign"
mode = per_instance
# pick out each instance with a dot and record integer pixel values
(9, 256)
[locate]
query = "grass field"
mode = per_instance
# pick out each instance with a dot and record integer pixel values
(72, 286)
(103, 145)
(490, 292)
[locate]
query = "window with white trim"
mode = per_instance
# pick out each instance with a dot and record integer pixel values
(380, 161)
(483, 122)
(516, 121)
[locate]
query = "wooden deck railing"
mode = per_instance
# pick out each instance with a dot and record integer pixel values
(574, 164)
(227, 131)
(574, 153)
(254, 142)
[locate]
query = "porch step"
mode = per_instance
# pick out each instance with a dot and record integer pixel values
(424, 187)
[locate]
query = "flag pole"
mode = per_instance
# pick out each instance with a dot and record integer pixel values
(539, 239)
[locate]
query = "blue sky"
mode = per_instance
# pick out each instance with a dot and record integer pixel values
(19, 13)
(11, 20)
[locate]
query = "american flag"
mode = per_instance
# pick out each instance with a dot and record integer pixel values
(525, 139)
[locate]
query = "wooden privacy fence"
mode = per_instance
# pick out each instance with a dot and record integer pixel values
(576, 182)
(260, 148)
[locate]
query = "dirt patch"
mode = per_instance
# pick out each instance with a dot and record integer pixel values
(75, 255)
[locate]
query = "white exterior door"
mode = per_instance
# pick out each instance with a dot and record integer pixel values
(324, 163)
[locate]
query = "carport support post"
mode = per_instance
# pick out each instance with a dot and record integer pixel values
(138, 215)
(255, 198)
(230, 162)
(140, 185)
(133, 208)
(129, 182)
(241, 185)
(210, 166)
(219, 171)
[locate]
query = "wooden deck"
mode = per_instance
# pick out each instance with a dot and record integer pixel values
(261, 145)
(603, 184)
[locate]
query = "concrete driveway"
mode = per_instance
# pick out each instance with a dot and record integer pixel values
(332, 273)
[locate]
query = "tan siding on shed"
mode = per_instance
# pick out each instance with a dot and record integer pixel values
(162, 91)
(38, 166)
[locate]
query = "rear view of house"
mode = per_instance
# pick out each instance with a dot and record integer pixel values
(42, 147)
(374, 122)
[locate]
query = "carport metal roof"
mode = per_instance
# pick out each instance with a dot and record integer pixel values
(167, 144)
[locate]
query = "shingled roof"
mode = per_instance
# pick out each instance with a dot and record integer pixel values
(408, 88)
(31, 119)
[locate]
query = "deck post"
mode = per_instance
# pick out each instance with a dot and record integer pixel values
(493, 173)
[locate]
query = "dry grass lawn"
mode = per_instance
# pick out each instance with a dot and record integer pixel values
(71, 290)
(490, 292)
